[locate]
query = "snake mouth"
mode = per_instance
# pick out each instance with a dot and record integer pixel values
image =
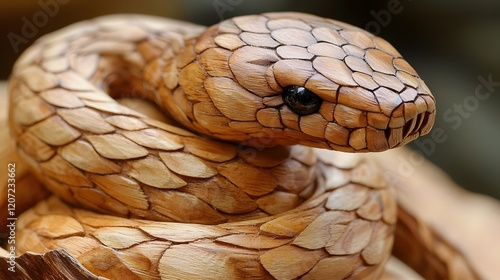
(417, 126)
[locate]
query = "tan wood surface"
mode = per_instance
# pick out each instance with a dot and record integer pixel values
(61, 263)
(286, 212)
(470, 221)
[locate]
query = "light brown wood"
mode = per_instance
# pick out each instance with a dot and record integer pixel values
(250, 210)
(457, 224)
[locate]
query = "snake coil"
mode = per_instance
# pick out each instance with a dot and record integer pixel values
(251, 206)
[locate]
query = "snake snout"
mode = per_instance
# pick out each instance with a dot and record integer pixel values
(413, 128)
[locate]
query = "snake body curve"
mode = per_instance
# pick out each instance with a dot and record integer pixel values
(250, 206)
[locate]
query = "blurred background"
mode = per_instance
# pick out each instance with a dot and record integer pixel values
(453, 45)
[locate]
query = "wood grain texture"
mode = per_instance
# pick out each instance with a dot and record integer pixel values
(56, 264)
(297, 231)
(450, 221)
(250, 210)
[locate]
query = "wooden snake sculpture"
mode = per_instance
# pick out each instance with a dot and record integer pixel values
(234, 200)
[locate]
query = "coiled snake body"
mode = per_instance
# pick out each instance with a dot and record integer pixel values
(250, 206)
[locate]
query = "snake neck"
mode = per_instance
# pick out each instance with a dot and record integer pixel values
(177, 80)
(193, 79)
(171, 81)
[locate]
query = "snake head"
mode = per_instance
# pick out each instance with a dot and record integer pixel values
(292, 78)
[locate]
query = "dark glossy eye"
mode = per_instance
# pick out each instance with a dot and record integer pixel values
(301, 100)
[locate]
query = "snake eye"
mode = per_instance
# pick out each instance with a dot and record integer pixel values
(301, 100)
